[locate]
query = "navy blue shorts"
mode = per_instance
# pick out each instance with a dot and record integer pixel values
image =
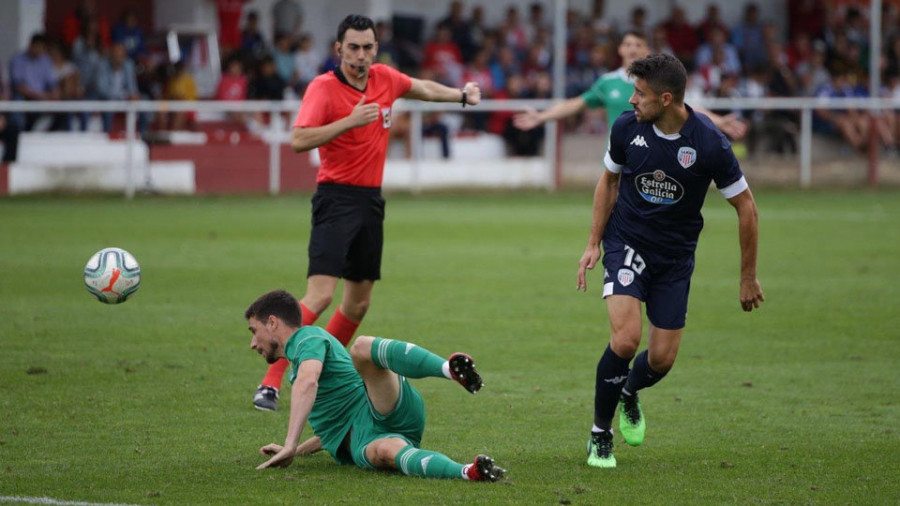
(661, 282)
(347, 232)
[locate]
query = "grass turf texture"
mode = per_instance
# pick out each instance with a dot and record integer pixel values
(150, 401)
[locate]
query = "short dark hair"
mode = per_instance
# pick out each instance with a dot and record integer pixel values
(357, 22)
(634, 33)
(278, 303)
(38, 38)
(663, 73)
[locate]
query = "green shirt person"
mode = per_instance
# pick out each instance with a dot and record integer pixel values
(360, 404)
(612, 91)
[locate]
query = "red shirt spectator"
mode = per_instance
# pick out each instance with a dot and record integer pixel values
(76, 19)
(233, 85)
(229, 22)
(682, 36)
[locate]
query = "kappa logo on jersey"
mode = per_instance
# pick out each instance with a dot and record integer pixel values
(658, 188)
(626, 277)
(687, 156)
(639, 141)
(386, 117)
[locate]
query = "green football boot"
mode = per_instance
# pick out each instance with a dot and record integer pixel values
(631, 420)
(600, 450)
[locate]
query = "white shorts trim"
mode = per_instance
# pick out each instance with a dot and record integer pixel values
(607, 290)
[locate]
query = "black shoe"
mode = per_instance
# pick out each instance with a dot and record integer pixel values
(462, 369)
(266, 398)
(484, 469)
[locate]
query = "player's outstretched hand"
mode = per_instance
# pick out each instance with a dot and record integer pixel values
(733, 126)
(527, 120)
(363, 113)
(751, 294)
(282, 457)
(473, 93)
(588, 261)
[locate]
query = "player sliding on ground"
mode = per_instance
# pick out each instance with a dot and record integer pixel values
(360, 405)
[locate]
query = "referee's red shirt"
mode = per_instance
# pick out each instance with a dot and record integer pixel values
(355, 157)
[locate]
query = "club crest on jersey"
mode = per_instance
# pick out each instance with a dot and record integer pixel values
(626, 277)
(687, 156)
(386, 117)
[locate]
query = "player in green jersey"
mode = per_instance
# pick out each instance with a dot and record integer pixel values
(360, 405)
(612, 92)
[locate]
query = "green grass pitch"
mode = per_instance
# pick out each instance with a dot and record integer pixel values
(149, 401)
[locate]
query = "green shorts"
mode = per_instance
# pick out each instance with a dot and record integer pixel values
(406, 421)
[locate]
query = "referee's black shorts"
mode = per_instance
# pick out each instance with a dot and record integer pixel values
(347, 232)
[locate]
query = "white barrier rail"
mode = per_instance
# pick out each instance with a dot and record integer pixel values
(804, 105)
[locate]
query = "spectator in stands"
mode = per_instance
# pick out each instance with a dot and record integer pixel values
(86, 12)
(252, 43)
(479, 71)
(460, 31)
(180, 86)
(128, 33)
(504, 66)
(718, 42)
(659, 42)
(476, 26)
(578, 80)
(233, 86)
(443, 57)
(307, 61)
(287, 18)
(638, 20)
(9, 131)
(283, 57)
(536, 22)
(682, 36)
(267, 85)
(807, 17)
(68, 81)
(813, 74)
(229, 13)
(892, 57)
(850, 124)
(799, 51)
(747, 37)
(32, 77)
(713, 21)
(116, 80)
(514, 30)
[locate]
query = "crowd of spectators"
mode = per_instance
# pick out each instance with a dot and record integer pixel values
(823, 52)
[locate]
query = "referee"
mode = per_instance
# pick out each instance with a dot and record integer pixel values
(346, 113)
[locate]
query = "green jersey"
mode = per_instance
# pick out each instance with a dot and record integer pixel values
(612, 92)
(341, 395)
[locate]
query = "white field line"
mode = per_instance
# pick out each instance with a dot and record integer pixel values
(55, 502)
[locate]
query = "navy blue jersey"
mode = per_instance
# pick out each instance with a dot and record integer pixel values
(664, 180)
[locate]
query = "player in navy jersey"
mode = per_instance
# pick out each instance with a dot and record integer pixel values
(662, 158)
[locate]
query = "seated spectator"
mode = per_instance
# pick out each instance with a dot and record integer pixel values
(503, 66)
(287, 18)
(233, 86)
(283, 56)
(713, 21)
(267, 85)
(252, 43)
(32, 77)
(67, 78)
(851, 124)
(659, 42)
(75, 21)
(116, 80)
(718, 42)
(442, 56)
(307, 60)
(638, 21)
(682, 36)
(180, 86)
(747, 37)
(130, 34)
(516, 35)
(813, 74)
(460, 31)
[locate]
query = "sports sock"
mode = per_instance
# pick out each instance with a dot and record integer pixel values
(415, 462)
(307, 317)
(406, 359)
(611, 373)
(275, 373)
(641, 375)
(341, 327)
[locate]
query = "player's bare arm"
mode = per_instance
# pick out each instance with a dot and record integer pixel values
(431, 91)
(532, 118)
(751, 291)
(303, 396)
(308, 447)
(304, 139)
(605, 195)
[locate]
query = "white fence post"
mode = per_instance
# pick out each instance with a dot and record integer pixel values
(805, 147)
(415, 132)
(275, 132)
(130, 138)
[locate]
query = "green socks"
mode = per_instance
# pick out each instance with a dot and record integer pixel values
(407, 359)
(415, 462)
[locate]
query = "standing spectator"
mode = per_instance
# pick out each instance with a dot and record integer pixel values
(86, 12)
(130, 34)
(267, 85)
(117, 80)
(287, 18)
(284, 59)
(443, 57)
(33, 77)
(713, 21)
(682, 36)
(747, 37)
(229, 12)
(306, 61)
(252, 43)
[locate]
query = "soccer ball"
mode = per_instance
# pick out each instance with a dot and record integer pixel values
(112, 275)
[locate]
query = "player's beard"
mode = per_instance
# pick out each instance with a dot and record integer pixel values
(645, 118)
(271, 354)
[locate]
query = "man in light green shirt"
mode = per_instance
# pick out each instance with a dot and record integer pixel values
(612, 92)
(360, 405)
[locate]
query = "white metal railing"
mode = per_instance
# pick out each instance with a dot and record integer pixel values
(805, 105)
